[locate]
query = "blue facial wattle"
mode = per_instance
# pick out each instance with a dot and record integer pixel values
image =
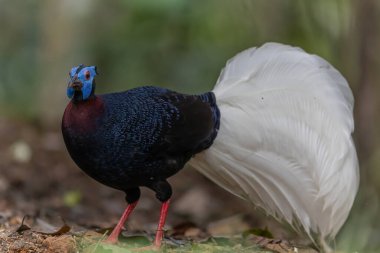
(70, 92)
(86, 76)
(86, 89)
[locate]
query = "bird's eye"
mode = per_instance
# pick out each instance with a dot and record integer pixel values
(87, 75)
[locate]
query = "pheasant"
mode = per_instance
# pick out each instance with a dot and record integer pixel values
(275, 130)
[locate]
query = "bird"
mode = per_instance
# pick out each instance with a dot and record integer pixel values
(276, 130)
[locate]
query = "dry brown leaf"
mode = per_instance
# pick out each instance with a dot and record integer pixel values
(22, 226)
(279, 246)
(62, 244)
(45, 228)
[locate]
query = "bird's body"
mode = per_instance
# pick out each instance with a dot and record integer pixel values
(284, 141)
(138, 137)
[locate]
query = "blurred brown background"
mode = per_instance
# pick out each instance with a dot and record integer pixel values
(177, 44)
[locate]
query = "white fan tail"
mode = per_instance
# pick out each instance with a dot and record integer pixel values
(285, 138)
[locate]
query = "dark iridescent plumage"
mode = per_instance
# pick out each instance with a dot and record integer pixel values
(139, 137)
(135, 138)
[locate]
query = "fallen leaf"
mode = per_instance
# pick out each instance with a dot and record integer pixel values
(62, 244)
(22, 226)
(188, 230)
(278, 245)
(45, 228)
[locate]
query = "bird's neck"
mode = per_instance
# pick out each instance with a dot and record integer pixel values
(78, 98)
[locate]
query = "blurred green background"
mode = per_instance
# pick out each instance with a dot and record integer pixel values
(183, 45)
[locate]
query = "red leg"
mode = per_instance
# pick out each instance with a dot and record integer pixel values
(116, 231)
(161, 223)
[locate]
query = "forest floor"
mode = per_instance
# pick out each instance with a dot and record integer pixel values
(47, 204)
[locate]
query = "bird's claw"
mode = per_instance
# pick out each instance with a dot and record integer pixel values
(111, 240)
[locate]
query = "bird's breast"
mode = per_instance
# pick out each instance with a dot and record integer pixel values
(83, 117)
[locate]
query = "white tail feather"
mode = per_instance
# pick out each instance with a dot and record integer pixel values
(285, 137)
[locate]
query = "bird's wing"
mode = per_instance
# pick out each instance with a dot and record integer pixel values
(285, 137)
(190, 125)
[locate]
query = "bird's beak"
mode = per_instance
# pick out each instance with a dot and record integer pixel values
(75, 83)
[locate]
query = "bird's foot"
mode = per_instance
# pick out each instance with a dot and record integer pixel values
(114, 236)
(111, 239)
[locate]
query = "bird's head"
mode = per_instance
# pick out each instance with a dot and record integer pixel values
(82, 82)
